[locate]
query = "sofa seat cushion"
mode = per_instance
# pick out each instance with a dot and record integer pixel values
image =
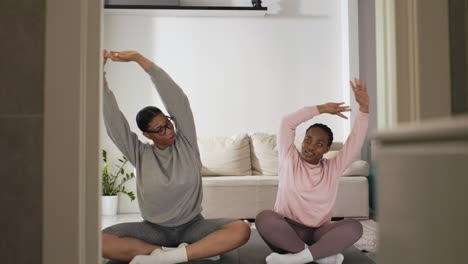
(245, 196)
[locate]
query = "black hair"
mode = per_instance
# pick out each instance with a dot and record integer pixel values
(324, 128)
(145, 116)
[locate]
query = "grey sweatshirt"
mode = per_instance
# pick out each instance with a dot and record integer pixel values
(169, 186)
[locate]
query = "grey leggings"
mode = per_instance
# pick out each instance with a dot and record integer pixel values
(283, 235)
(190, 232)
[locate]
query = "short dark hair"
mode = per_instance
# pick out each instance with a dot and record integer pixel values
(324, 128)
(145, 116)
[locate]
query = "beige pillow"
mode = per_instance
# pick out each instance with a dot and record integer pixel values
(264, 154)
(336, 146)
(223, 156)
(330, 154)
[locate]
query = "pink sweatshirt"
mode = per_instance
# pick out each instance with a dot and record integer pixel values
(307, 192)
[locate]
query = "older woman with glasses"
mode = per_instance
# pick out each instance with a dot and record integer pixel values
(169, 185)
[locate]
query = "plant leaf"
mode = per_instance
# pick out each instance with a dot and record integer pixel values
(104, 155)
(131, 195)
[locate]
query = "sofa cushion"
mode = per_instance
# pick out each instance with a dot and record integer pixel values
(264, 154)
(245, 196)
(330, 154)
(225, 155)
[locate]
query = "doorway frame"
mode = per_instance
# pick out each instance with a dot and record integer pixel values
(72, 95)
(71, 218)
(413, 61)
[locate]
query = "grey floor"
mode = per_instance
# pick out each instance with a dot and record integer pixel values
(255, 251)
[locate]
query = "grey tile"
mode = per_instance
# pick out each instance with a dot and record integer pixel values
(22, 31)
(372, 256)
(21, 158)
(353, 256)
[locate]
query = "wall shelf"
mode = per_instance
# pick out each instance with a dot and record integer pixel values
(188, 11)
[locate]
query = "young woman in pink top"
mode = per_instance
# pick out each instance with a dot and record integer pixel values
(299, 229)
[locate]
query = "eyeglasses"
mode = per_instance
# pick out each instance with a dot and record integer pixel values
(162, 130)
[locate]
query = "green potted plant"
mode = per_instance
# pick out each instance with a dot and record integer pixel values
(111, 185)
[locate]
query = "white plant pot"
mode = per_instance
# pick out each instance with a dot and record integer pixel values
(109, 204)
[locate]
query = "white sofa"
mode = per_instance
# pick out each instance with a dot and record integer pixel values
(240, 178)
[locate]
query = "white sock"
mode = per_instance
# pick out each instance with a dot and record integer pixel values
(299, 258)
(335, 259)
(213, 258)
(172, 248)
(159, 256)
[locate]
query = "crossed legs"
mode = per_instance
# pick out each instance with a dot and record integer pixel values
(286, 236)
(124, 248)
(229, 237)
(206, 238)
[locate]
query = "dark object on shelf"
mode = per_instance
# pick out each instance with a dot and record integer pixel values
(149, 7)
(172, 8)
(256, 3)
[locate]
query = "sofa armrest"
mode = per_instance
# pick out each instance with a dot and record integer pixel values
(357, 168)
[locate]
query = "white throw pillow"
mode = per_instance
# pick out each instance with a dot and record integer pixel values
(223, 156)
(264, 154)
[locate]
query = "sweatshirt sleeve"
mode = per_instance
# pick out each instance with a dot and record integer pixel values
(287, 130)
(118, 129)
(175, 101)
(353, 144)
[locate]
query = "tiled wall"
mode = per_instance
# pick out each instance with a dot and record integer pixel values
(22, 35)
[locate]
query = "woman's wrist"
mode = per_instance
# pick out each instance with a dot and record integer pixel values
(144, 62)
(321, 108)
(364, 109)
(138, 58)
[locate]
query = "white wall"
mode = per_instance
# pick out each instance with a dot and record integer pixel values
(240, 74)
